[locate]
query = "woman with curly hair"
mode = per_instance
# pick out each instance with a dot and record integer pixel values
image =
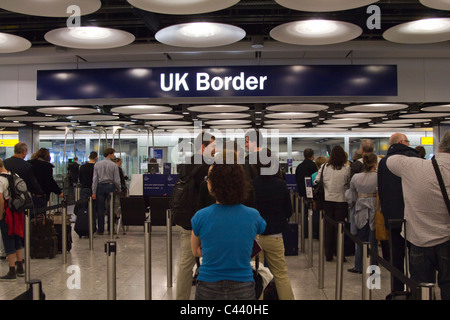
(223, 235)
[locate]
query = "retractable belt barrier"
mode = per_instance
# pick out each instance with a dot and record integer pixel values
(424, 290)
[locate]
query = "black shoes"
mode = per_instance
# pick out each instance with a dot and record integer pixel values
(353, 270)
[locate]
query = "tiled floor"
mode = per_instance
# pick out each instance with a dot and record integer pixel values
(58, 284)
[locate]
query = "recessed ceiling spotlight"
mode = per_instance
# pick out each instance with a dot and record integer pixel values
(420, 31)
(200, 34)
(315, 32)
(89, 37)
(182, 6)
(323, 5)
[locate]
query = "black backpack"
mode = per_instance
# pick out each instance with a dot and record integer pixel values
(183, 202)
(20, 199)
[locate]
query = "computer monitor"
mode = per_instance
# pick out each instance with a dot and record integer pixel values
(153, 168)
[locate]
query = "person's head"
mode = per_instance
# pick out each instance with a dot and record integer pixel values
(153, 160)
(444, 145)
(398, 138)
(370, 161)
(253, 140)
(337, 158)
(21, 150)
(109, 153)
(43, 154)
(227, 182)
(93, 156)
(75, 159)
(421, 151)
(320, 161)
(367, 146)
(118, 161)
(308, 153)
(357, 155)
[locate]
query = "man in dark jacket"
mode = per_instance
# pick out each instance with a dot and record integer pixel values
(304, 170)
(24, 169)
(392, 205)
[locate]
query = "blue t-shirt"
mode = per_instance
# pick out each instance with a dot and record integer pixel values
(226, 233)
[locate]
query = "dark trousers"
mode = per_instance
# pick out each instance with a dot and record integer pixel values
(336, 211)
(397, 257)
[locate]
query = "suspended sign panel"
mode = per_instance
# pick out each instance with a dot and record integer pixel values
(233, 81)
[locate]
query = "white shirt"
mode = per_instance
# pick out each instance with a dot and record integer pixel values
(426, 215)
(336, 182)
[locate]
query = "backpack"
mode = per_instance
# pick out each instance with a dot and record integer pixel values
(183, 202)
(20, 199)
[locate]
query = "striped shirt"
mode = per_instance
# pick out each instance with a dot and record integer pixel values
(426, 215)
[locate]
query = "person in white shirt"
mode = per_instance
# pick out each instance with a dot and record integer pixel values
(427, 217)
(336, 180)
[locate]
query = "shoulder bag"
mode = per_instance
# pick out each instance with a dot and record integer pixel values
(441, 183)
(319, 189)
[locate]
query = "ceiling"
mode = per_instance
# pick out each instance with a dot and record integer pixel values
(256, 17)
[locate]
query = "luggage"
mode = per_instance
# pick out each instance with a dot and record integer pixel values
(43, 239)
(82, 223)
(290, 239)
(59, 237)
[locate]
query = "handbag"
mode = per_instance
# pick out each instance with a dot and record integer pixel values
(319, 189)
(441, 183)
(381, 233)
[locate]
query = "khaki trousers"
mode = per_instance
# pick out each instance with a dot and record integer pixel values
(185, 266)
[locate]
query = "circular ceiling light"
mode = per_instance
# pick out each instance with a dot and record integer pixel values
(218, 108)
(441, 108)
(66, 110)
(89, 37)
(157, 116)
(359, 115)
(169, 123)
(224, 115)
(30, 118)
(227, 122)
(437, 4)
(12, 112)
(315, 32)
(140, 109)
(323, 5)
(297, 107)
(111, 123)
(99, 117)
(424, 115)
(389, 125)
(12, 124)
(200, 35)
(55, 124)
(287, 121)
(182, 6)
(291, 115)
(283, 126)
(420, 31)
(337, 125)
(376, 107)
(10, 43)
(347, 121)
(396, 121)
(50, 8)
(232, 126)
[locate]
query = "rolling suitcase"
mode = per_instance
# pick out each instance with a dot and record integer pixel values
(59, 237)
(82, 223)
(290, 239)
(43, 239)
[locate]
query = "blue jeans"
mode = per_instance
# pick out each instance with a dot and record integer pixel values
(365, 235)
(225, 290)
(103, 201)
(425, 261)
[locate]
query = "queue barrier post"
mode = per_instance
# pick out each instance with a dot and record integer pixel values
(366, 292)
(91, 223)
(148, 260)
(302, 225)
(310, 237)
(321, 249)
(111, 215)
(64, 231)
(340, 260)
(426, 291)
(27, 245)
(111, 250)
(169, 247)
